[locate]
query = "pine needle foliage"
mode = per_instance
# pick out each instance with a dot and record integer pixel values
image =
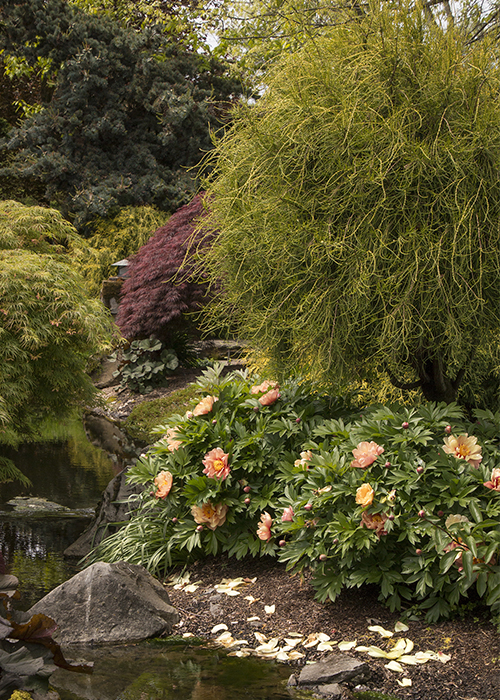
(48, 325)
(160, 291)
(358, 205)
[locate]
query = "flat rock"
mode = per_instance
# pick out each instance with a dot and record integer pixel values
(332, 691)
(108, 604)
(335, 669)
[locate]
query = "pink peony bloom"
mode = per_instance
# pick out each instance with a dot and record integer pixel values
(365, 454)
(210, 515)
(287, 515)
(216, 465)
(364, 495)
(269, 398)
(264, 529)
(170, 438)
(163, 481)
(494, 482)
(305, 457)
(464, 447)
(205, 406)
(374, 522)
(265, 386)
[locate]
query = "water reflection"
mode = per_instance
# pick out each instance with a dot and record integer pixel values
(146, 672)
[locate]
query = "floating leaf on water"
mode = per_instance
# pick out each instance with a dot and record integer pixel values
(401, 627)
(347, 646)
(404, 682)
(383, 632)
(394, 666)
(269, 609)
(219, 628)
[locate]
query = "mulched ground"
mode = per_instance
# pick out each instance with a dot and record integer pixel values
(473, 672)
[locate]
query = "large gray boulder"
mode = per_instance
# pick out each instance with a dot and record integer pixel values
(108, 604)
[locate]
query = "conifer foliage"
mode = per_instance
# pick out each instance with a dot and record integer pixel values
(161, 287)
(130, 112)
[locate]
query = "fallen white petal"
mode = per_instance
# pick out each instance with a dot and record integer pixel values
(240, 653)
(326, 646)
(323, 637)
(191, 588)
(394, 666)
(293, 655)
(377, 653)
(444, 658)
(404, 682)
(251, 599)
(401, 627)
(219, 628)
(187, 634)
(269, 609)
(346, 646)
(253, 619)
(293, 642)
(260, 637)
(282, 656)
(383, 632)
(410, 660)
(409, 646)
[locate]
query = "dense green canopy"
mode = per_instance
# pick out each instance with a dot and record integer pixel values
(130, 113)
(358, 205)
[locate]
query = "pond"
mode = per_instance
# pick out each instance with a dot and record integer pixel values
(70, 471)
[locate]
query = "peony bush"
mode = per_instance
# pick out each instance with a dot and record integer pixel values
(406, 499)
(214, 471)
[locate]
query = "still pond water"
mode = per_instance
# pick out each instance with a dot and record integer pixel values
(72, 472)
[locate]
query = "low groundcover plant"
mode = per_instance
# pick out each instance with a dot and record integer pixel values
(407, 499)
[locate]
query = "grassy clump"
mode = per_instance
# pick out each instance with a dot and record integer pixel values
(148, 414)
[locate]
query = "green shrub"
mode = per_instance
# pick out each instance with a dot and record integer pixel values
(428, 527)
(115, 238)
(253, 439)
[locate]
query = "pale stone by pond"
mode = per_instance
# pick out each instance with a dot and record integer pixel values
(108, 604)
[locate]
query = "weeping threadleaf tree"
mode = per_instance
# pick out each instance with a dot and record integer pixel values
(48, 325)
(358, 205)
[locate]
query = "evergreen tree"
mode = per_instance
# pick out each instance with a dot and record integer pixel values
(130, 114)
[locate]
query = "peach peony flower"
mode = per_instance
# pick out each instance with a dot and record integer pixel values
(265, 386)
(269, 398)
(464, 447)
(216, 466)
(287, 515)
(264, 529)
(374, 522)
(365, 454)
(305, 457)
(170, 438)
(163, 481)
(205, 406)
(364, 495)
(494, 482)
(210, 515)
